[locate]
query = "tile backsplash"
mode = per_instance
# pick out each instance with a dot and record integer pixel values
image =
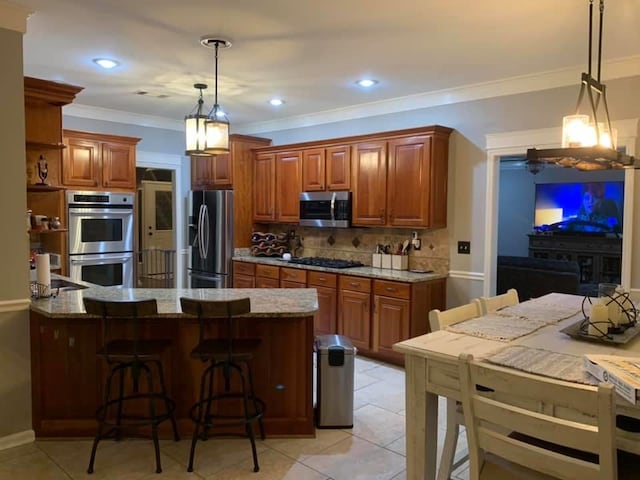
(359, 243)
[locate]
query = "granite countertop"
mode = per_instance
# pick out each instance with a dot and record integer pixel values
(371, 272)
(265, 302)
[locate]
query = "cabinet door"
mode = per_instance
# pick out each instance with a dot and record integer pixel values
(338, 168)
(324, 322)
(118, 165)
(313, 168)
(81, 163)
(288, 186)
(243, 281)
(264, 186)
(409, 174)
(354, 318)
(370, 184)
(201, 172)
(391, 319)
(222, 171)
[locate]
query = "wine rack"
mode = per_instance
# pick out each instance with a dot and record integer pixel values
(269, 244)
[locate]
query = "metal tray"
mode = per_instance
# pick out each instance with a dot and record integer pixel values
(573, 331)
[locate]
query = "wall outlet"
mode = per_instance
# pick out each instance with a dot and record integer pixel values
(464, 248)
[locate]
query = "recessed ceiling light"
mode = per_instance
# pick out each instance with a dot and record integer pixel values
(105, 63)
(367, 82)
(276, 102)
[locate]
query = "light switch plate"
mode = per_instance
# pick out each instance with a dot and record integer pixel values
(464, 248)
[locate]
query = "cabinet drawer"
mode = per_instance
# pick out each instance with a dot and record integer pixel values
(262, 282)
(355, 284)
(289, 284)
(391, 289)
(293, 275)
(267, 271)
(322, 279)
(244, 268)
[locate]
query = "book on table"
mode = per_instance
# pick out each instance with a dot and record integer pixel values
(622, 372)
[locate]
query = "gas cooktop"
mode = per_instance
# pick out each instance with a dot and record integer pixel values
(326, 262)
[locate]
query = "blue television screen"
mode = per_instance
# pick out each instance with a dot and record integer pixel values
(592, 207)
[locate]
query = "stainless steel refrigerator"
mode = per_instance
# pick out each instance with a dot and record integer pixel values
(210, 238)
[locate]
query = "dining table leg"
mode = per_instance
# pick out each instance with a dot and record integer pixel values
(421, 421)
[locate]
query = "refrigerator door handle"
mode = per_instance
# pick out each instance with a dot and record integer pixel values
(200, 232)
(205, 218)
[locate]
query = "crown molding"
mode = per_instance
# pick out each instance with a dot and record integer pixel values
(14, 16)
(118, 116)
(617, 68)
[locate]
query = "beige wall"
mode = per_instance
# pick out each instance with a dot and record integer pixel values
(15, 381)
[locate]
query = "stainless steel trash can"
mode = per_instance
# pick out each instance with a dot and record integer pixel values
(335, 364)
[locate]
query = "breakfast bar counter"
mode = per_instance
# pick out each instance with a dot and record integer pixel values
(67, 376)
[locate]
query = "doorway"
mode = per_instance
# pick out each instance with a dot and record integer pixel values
(156, 228)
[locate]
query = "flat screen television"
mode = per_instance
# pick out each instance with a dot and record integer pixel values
(585, 207)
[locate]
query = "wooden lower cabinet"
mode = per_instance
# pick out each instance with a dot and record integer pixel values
(375, 314)
(325, 321)
(391, 320)
(354, 310)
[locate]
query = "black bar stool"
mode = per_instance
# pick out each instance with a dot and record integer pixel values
(137, 356)
(228, 355)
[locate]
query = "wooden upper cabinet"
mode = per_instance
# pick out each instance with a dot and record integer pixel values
(338, 167)
(326, 169)
(369, 183)
(81, 163)
(211, 172)
(313, 170)
(288, 186)
(264, 187)
(99, 161)
(118, 165)
(408, 177)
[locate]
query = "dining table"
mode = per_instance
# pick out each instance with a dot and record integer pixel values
(527, 337)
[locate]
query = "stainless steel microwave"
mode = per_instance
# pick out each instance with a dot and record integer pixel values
(325, 209)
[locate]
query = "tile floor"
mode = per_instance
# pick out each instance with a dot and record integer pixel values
(373, 449)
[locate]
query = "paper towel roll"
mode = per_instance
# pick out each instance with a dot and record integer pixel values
(43, 274)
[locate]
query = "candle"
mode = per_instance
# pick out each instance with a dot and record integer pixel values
(598, 320)
(43, 274)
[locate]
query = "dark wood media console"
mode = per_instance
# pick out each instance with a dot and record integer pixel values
(599, 257)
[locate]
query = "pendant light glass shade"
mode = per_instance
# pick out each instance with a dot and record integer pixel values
(217, 132)
(195, 125)
(217, 123)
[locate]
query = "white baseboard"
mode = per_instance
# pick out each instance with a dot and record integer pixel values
(17, 439)
(15, 305)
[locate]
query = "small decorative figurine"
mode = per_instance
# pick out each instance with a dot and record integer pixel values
(43, 170)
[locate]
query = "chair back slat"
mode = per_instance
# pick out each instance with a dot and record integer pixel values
(214, 308)
(493, 304)
(525, 404)
(442, 319)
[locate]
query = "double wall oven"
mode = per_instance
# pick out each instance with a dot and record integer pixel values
(101, 237)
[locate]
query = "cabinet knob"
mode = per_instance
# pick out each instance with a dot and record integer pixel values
(95, 183)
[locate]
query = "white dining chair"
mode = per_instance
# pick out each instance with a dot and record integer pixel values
(439, 320)
(544, 446)
(493, 304)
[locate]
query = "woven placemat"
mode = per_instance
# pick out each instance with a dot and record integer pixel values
(560, 366)
(494, 326)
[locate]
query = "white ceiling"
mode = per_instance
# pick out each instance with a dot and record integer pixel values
(310, 52)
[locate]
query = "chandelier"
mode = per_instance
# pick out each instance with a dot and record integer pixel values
(588, 142)
(208, 134)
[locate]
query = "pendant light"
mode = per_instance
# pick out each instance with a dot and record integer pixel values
(195, 126)
(588, 141)
(217, 123)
